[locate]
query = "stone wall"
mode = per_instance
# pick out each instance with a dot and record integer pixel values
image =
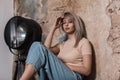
(102, 20)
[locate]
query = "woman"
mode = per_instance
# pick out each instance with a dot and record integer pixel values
(64, 61)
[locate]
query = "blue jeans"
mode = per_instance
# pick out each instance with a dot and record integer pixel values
(48, 66)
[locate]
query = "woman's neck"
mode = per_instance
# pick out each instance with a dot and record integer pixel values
(71, 37)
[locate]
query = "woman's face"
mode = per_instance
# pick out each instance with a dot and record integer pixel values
(68, 25)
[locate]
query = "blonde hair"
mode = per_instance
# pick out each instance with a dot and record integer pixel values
(80, 31)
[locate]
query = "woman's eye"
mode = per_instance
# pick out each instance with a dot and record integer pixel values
(70, 21)
(63, 22)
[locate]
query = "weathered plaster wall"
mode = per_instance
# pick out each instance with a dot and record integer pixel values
(102, 20)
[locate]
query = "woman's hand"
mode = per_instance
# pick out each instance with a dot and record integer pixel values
(58, 23)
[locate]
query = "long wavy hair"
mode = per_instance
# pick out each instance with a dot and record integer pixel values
(79, 25)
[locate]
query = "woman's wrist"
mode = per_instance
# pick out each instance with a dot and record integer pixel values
(53, 29)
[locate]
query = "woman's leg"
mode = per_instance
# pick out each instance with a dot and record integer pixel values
(32, 61)
(39, 57)
(28, 73)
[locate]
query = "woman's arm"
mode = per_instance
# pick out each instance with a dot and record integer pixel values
(49, 38)
(48, 41)
(85, 69)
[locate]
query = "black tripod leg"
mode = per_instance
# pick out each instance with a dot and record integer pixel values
(15, 74)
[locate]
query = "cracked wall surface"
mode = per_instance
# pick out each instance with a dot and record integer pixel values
(102, 20)
(113, 10)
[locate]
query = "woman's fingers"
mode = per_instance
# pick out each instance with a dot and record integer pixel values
(59, 21)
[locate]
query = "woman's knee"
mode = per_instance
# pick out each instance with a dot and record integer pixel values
(36, 55)
(36, 46)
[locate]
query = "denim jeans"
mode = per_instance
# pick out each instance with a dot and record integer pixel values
(48, 65)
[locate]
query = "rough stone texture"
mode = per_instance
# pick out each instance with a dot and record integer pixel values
(102, 20)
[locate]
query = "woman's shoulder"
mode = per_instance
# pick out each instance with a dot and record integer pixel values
(86, 46)
(83, 41)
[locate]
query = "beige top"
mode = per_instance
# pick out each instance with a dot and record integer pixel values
(71, 55)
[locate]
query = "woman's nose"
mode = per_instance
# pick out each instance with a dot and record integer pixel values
(66, 24)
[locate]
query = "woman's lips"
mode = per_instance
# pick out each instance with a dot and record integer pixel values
(67, 28)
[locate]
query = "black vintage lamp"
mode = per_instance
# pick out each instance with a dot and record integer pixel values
(19, 34)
